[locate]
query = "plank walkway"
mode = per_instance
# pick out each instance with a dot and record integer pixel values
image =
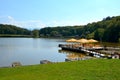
(91, 51)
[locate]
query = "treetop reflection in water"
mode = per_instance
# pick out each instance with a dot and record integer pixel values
(72, 56)
(29, 51)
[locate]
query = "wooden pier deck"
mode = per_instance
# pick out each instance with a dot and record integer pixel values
(90, 51)
(98, 52)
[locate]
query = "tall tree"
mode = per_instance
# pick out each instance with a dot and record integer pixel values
(35, 33)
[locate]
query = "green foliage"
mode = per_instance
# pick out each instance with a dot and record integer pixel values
(111, 34)
(106, 30)
(80, 70)
(55, 34)
(90, 35)
(10, 29)
(35, 33)
(98, 35)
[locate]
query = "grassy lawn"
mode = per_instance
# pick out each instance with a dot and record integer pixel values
(101, 69)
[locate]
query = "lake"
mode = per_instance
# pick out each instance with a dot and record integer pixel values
(30, 51)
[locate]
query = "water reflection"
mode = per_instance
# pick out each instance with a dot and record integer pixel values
(29, 51)
(73, 56)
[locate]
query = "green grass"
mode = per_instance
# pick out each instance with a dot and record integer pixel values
(101, 69)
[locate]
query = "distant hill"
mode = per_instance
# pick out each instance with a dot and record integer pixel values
(106, 30)
(13, 30)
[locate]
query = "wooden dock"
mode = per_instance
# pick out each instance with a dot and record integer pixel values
(90, 51)
(98, 52)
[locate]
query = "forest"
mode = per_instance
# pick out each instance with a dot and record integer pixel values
(11, 29)
(107, 30)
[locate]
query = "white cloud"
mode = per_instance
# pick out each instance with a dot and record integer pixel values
(10, 18)
(37, 24)
(31, 24)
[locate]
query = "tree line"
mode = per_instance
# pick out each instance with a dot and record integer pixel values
(107, 30)
(10, 30)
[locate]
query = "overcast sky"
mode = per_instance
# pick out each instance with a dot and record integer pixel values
(33, 14)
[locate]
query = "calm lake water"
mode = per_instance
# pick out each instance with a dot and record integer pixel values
(29, 51)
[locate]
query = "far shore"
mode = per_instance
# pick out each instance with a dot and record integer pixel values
(8, 35)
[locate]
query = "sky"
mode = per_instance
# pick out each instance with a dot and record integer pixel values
(36, 14)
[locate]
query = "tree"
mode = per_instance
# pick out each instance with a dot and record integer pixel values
(111, 34)
(107, 18)
(98, 35)
(105, 30)
(11, 29)
(35, 33)
(55, 34)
